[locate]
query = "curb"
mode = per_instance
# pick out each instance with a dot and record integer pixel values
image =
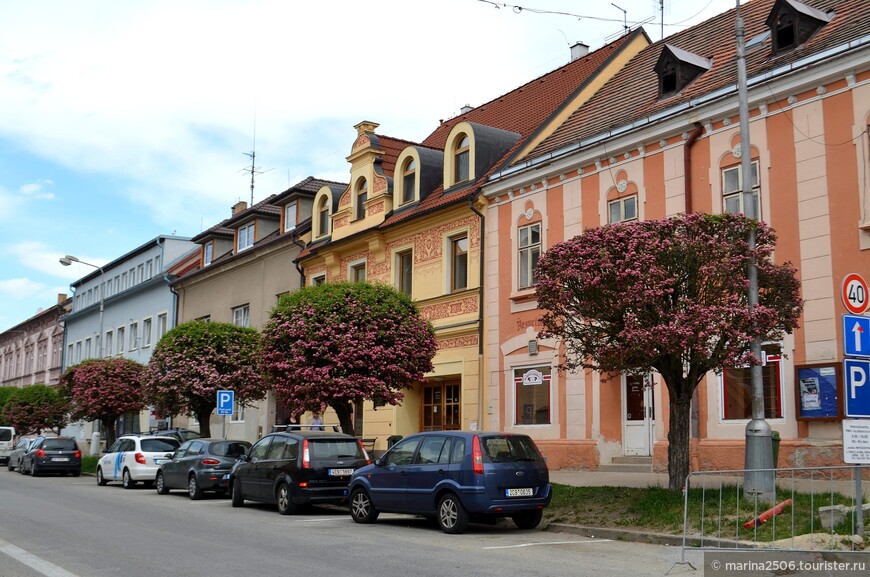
(642, 537)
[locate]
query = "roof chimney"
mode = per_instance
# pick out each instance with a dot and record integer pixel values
(579, 50)
(61, 298)
(239, 207)
(466, 109)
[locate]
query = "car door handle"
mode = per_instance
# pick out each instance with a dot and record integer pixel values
(403, 473)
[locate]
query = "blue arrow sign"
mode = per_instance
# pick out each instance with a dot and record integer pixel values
(225, 402)
(856, 336)
(857, 381)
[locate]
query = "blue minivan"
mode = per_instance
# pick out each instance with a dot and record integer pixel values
(454, 476)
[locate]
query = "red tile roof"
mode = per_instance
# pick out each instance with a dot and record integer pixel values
(632, 95)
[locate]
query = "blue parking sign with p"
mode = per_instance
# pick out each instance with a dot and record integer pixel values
(225, 401)
(857, 381)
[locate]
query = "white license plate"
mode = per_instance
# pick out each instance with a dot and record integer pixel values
(60, 459)
(524, 492)
(159, 461)
(341, 472)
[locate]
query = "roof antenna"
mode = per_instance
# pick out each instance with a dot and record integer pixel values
(624, 17)
(254, 169)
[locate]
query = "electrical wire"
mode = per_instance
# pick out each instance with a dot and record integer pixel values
(519, 9)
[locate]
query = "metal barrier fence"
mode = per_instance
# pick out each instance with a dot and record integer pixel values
(813, 509)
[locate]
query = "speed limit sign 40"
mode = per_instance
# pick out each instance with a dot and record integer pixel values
(855, 293)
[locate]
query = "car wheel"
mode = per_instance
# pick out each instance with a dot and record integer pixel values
(76, 473)
(34, 470)
(528, 519)
(238, 497)
(452, 516)
(193, 488)
(101, 481)
(361, 508)
(286, 506)
(9, 465)
(162, 489)
(126, 480)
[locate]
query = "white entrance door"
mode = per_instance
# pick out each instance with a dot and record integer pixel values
(638, 416)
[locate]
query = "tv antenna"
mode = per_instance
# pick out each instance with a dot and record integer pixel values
(624, 17)
(254, 170)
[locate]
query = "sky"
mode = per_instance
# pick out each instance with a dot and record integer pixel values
(121, 120)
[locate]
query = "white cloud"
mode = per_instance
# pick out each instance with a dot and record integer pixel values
(36, 255)
(38, 190)
(19, 288)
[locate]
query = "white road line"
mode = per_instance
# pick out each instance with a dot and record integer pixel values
(36, 563)
(551, 543)
(323, 519)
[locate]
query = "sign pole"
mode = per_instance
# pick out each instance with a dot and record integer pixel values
(860, 501)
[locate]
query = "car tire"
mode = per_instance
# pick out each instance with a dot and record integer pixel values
(101, 481)
(76, 473)
(452, 516)
(126, 480)
(162, 488)
(237, 495)
(362, 510)
(286, 506)
(194, 491)
(34, 470)
(9, 465)
(528, 519)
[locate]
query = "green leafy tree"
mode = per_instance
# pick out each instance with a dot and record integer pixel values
(35, 408)
(5, 393)
(669, 295)
(195, 360)
(102, 390)
(338, 344)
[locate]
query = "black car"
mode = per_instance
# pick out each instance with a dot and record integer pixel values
(52, 455)
(200, 465)
(297, 468)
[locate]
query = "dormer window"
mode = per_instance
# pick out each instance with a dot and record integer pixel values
(409, 180)
(362, 194)
(676, 68)
(290, 217)
(207, 254)
(246, 237)
(323, 217)
(461, 159)
(792, 23)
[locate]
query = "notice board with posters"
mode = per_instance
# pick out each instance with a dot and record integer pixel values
(817, 392)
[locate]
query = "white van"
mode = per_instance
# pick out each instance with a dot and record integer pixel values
(7, 443)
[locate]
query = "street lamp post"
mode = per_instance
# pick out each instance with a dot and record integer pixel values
(67, 261)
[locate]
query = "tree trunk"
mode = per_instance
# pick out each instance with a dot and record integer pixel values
(203, 415)
(109, 425)
(679, 427)
(345, 416)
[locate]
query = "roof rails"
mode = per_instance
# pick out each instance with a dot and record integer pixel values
(295, 427)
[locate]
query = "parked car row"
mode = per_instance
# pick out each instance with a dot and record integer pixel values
(450, 477)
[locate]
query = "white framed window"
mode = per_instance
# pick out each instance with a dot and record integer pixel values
(532, 395)
(87, 352)
(161, 325)
(318, 279)
(529, 246)
(122, 334)
(241, 316)
(146, 332)
(323, 216)
(622, 209)
(70, 360)
(362, 195)
(134, 336)
(358, 272)
(405, 272)
(157, 268)
(140, 271)
(131, 277)
(238, 415)
(149, 268)
(207, 253)
(110, 342)
(78, 358)
(290, 216)
(732, 190)
(459, 262)
(461, 154)
(246, 236)
(409, 181)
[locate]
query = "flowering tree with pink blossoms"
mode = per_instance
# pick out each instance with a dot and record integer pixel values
(669, 295)
(34, 408)
(337, 344)
(104, 389)
(194, 361)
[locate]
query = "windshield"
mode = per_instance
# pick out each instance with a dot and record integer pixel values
(5, 434)
(60, 445)
(159, 445)
(334, 449)
(510, 448)
(232, 449)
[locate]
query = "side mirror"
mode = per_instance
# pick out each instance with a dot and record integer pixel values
(378, 462)
(244, 457)
(170, 455)
(105, 451)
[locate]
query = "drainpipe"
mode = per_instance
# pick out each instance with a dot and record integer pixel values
(301, 245)
(480, 360)
(687, 163)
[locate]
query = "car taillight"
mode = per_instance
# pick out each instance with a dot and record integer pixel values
(363, 449)
(78, 455)
(140, 458)
(476, 456)
(306, 456)
(211, 462)
(40, 453)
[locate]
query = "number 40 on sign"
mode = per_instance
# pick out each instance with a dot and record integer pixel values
(854, 293)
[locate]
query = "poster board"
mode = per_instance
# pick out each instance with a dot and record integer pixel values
(817, 392)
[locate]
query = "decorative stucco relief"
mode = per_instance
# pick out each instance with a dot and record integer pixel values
(458, 342)
(456, 307)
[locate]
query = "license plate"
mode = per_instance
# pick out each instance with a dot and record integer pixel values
(341, 472)
(60, 459)
(524, 492)
(159, 461)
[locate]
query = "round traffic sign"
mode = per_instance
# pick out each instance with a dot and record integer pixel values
(854, 293)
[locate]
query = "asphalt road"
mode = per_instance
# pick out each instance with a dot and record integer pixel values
(70, 527)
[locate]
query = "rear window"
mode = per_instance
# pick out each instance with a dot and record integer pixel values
(510, 449)
(334, 449)
(60, 445)
(233, 449)
(159, 445)
(5, 434)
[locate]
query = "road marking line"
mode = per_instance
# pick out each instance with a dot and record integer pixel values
(36, 563)
(551, 543)
(323, 519)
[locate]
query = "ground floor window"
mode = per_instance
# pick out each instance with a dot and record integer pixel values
(532, 387)
(441, 407)
(737, 388)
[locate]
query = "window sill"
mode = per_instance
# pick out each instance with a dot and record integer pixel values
(524, 295)
(865, 226)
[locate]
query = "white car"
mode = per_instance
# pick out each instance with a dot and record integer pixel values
(134, 458)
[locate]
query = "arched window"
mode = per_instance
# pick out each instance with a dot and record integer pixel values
(323, 217)
(409, 180)
(460, 159)
(362, 194)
